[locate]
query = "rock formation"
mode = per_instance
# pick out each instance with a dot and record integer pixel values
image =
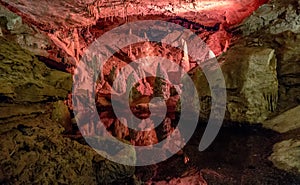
(243, 68)
(33, 120)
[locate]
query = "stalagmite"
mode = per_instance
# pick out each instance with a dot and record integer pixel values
(185, 63)
(130, 85)
(120, 84)
(145, 36)
(161, 86)
(130, 51)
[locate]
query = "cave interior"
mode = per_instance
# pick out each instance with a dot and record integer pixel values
(168, 92)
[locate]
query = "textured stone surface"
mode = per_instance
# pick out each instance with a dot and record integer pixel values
(25, 79)
(277, 25)
(34, 151)
(73, 25)
(243, 69)
(275, 17)
(192, 176)
(285, 122)
(108, 172)
(11, 112)
(33, 147)
(28, 37)
(286, 155)
(61, 115)
(288, 52)
(57, 14)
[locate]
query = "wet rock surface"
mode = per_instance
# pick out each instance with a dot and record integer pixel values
(274, 17)
(78, 13)
(71, 26)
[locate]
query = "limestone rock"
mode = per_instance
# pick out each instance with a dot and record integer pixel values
(285, 122)
(14, 112)
(25, 79)
(33, 150)
(69, 26)
(120, 130)
(192, 176)
(61, 115)
(274, 18)
(288, 52)
(277, 25)
(112, 173)
(108, 172)
(285, 155)
(243, 69)
(56, 14)
(28, 37)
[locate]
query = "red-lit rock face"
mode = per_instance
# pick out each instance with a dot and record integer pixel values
(73, 24)
(58, 14)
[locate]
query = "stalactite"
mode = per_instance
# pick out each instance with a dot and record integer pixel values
(271, 99)
(120, 84)
(67, 47)
(160, 72)
(76, 44)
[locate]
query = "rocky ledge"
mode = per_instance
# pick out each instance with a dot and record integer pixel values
(33, 123)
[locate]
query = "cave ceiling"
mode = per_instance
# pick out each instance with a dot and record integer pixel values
(58, 14)
(72, 25)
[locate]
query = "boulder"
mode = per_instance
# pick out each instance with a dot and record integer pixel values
(251, 84)
(285, 122)
(285, 155)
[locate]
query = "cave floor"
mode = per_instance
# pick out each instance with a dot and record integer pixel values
(239, 155)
